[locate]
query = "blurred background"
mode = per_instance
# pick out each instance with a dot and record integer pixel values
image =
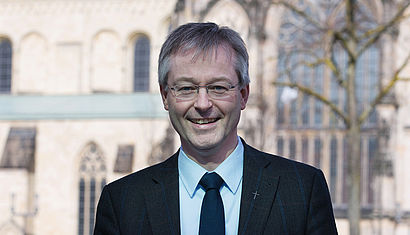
(80, 104)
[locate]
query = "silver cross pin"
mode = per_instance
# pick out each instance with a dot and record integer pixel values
(255, 194)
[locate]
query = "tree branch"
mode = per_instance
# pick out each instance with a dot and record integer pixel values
(365, 114)
(333, 67)
(325, 61)
(350, 11)
(316, 95)
(328, 62)
(331, 64)
(338, 37)
(291, 66)
(296, 10)
(377, 32)
(289, 69)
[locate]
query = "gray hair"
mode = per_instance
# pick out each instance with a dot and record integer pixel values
(204, 38)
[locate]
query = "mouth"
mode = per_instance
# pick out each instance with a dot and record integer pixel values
(202, 121)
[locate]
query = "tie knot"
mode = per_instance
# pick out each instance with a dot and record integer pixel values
(211, 181)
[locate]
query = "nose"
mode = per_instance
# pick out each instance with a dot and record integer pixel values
(202, 101)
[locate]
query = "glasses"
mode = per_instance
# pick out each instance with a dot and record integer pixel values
(190, 91)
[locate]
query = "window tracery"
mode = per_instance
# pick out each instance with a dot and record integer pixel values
(305, 124)
(92, 180)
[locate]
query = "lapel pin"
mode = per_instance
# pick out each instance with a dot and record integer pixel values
(255, 194)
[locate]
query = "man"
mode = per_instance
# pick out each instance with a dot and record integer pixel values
(215, 183)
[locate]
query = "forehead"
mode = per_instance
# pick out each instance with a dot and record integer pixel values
(221, 54)
(203, 67)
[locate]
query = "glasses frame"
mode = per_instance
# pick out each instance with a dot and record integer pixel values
(197, 87)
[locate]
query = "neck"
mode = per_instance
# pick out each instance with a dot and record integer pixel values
(210, 159)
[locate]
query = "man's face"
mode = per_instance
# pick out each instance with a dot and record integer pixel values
(204, 123)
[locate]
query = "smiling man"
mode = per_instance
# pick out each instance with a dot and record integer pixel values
(215, 183)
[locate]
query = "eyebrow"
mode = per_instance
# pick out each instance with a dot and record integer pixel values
(193, 80)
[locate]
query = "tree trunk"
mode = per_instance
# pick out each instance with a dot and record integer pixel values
(353, 129)
(353, 179)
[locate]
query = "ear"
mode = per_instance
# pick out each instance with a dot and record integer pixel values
(244, 96)
(164, 94)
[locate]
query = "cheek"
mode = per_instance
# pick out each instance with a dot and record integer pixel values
(231, 110)
(178, 109)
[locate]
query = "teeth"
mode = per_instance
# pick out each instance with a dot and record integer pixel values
(204, 121)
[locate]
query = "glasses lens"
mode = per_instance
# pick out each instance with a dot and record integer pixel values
(185, 92)
(189, 92)
(218, 90)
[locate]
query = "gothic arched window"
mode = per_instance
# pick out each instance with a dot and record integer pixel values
(5, 65)
(313, 133)
(141, 63)
(92, 180)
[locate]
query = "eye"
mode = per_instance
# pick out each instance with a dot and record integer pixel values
(218, 88)
(186, 89)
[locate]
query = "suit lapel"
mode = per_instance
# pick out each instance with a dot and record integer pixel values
(258, 192)
(163, 198)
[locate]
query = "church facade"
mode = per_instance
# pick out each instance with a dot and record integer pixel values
(80, 107)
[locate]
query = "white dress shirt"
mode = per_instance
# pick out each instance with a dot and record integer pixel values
(191, 194)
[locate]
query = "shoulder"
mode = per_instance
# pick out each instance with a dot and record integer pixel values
(296, 178)
(279, 165)
(144, 177)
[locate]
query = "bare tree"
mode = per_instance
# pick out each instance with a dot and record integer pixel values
(351, 27)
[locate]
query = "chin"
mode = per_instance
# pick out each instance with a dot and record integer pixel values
(207, 143)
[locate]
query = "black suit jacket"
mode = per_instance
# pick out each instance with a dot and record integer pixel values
(292, 198)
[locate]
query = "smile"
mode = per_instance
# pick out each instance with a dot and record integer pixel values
(204, 120)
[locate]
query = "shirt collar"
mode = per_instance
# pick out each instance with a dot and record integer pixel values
(231, 170)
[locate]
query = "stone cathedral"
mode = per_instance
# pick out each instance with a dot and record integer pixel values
(80, 106)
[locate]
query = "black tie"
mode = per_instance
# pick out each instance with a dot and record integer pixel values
(212, 220)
